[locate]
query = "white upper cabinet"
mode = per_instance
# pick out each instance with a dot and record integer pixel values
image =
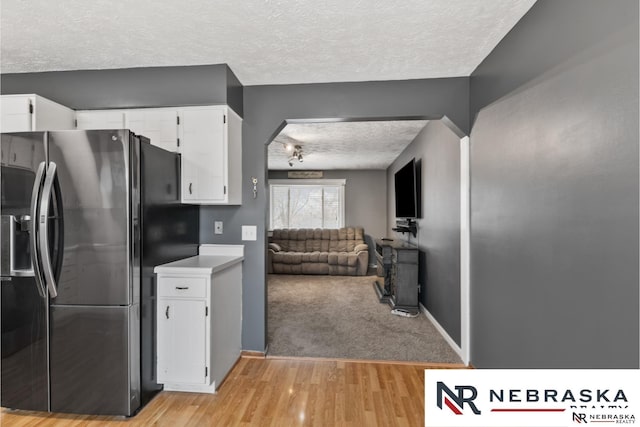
(24, 113)
(159, 125)
(209, 138)
(211, 148)
(203, 155)
(17, 114)
(100, 119)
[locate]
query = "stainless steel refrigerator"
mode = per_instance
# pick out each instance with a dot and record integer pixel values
(85, 217)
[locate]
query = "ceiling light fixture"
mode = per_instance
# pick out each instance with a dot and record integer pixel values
(295, 153)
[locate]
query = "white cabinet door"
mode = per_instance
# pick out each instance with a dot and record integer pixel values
(16, 114)
(100, 120)
(24, 113)
(49, 115)
(204, 155)
(160, 126)
(181, 341)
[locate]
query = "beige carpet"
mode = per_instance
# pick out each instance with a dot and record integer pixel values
(340, 317)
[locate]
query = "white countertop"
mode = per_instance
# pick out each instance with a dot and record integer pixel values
(206, 264)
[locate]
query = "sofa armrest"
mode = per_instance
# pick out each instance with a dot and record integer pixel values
(362, 264)
(275, 247)
(361, 247)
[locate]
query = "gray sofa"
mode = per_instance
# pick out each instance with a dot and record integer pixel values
(318, 251)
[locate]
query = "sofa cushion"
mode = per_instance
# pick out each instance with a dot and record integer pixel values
(343, 258)
(315, 257)
(315, 268)
(288, 257)
(317, 245)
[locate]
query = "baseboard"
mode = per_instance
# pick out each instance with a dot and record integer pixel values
(432, 365)
(253, 354)
(444, 333)
(194, 388)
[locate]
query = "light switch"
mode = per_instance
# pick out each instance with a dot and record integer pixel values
(217, 227)
(249, 232)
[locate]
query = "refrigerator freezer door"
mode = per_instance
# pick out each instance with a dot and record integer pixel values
(94, 185)
(95, 364)
(24, 376)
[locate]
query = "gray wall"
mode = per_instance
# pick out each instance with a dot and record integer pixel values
(438, 150)
(235, 92)
(554, 182)
(131, 87)
(365, 201)
(265, 110)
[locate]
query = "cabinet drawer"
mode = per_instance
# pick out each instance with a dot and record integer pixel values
(188, 287)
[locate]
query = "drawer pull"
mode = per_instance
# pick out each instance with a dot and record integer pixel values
(182, 288)
(166, 313)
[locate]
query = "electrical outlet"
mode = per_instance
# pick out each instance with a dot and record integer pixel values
(249, 232)
(217, 227)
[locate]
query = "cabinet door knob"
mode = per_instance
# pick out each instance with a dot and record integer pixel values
(166, 313)
(182, 288)
(190, 185)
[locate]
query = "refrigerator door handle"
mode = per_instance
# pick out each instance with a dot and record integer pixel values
(35, 261)
(43, 227)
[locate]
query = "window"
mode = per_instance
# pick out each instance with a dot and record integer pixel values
(306, 203)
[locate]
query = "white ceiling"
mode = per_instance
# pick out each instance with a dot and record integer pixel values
(270, 42)
(263, 41)
(344, 145)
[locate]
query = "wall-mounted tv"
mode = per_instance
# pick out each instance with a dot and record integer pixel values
(407, 185)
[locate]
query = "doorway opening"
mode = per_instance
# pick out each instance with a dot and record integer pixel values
(312, 311)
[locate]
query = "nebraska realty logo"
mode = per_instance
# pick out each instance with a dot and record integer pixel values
(458, 397)
(502, 397)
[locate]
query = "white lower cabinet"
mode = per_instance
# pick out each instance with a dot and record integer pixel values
(182, 341)
(199, 321)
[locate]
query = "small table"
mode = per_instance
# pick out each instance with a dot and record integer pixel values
(397, 263)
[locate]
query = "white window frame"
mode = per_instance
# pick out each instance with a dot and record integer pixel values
(340, 183)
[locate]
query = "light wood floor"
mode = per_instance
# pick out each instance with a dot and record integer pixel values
(278, 392)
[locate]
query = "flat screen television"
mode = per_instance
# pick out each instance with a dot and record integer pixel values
(407, 194)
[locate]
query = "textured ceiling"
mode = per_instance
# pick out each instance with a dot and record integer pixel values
(263, 41)
(344, 145)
